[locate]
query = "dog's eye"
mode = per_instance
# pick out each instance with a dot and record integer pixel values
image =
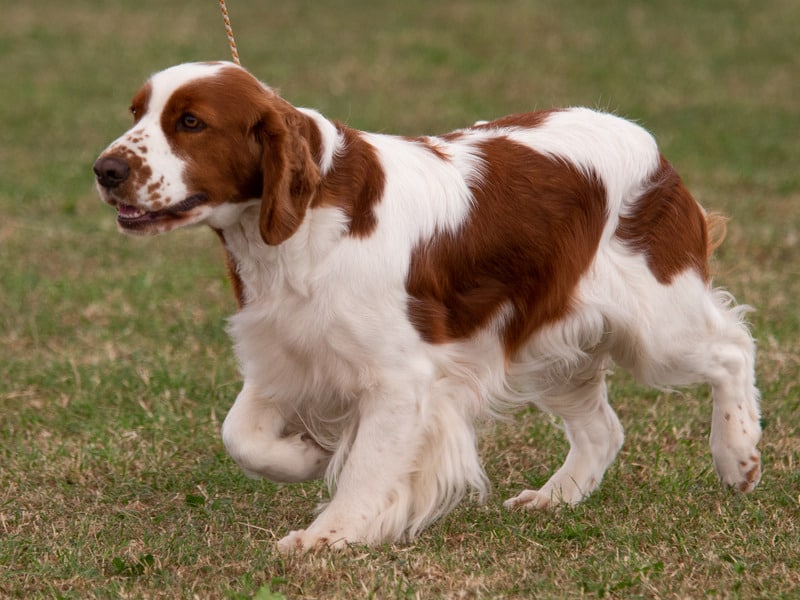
(189, 122)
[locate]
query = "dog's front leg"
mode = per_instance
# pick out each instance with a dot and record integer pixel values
(254, 435)
(372, 501)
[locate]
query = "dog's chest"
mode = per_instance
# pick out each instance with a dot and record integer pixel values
(309, 313)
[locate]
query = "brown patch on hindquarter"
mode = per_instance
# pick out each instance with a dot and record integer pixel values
(533, 231)
(668, 227)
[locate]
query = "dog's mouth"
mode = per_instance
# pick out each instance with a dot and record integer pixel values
(133, 218)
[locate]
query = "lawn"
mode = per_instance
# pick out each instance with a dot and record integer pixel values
(116, 372)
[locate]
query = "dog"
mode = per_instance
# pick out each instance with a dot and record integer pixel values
(393, 291)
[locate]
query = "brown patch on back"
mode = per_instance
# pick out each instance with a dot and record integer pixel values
(668, 227)
(528, 120)
(354, 183)
(521, 120)
(533, 231)
(430, 144)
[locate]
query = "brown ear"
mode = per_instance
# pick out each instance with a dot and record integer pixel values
(290, 174)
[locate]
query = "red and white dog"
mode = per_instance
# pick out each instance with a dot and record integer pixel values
(394, 290)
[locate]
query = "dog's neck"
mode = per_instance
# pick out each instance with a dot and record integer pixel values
(258, 269)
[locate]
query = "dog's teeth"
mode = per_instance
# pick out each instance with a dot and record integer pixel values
(131, 212)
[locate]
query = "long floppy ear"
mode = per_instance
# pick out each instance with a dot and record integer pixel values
(290, 174)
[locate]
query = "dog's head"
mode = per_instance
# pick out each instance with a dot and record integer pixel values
(207, 140)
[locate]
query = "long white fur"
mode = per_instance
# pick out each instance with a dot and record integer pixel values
(338, 383)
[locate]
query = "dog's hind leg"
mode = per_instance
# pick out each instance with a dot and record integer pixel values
(697, 335)
(595, 436)
(735, 420)
(712, 345)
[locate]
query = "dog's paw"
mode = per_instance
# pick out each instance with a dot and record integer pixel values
(530, 500)
(293, 543)
(742, 472)
(301, 541)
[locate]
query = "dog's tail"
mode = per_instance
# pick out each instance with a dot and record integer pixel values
(717, 227)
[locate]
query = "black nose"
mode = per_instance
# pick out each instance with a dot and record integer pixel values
(111, 171)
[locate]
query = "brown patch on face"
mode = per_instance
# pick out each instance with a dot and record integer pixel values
(532, 233)
(253, 144)
(140, 174)
(668, 227)
(355, 183)
(223, 155)
(249, 144)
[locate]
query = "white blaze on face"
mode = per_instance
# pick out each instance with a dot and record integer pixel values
(142, 173)
(160, 183)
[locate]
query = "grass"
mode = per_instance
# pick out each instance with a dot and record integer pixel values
(115, 371)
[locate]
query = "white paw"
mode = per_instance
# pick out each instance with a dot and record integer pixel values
(529, 500)
(303, 540)
(562, 488)
(739, 470)
(735, 433)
